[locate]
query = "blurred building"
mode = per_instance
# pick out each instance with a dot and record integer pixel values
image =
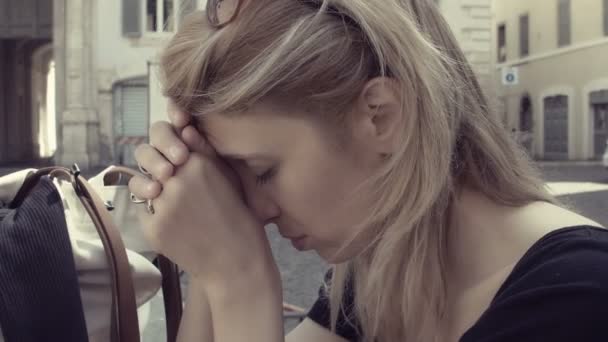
(78, 77)
(552, 70)
(471, 22)
(74, 77)
(26, 52)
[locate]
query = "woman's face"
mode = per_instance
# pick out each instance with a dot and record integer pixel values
(293, 175)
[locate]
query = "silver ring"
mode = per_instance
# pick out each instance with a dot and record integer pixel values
(150, 207)
(143, 170)
(136, 200)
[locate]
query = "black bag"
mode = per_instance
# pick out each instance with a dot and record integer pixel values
(39, 293)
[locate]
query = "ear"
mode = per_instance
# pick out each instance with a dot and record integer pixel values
(379, 115)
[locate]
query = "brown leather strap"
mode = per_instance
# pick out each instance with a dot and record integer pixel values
(124, 309)
(172, 293)
(115, 174)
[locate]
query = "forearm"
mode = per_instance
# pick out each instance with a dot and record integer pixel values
(196, 324)
(248, 309)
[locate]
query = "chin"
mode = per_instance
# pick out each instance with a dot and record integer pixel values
(331, 256)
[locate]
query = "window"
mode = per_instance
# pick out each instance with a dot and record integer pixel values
(131, 18)
(524, 35)
(502, 43)
(606, 17)
(563, 20)
(160, 15)
(154, 16)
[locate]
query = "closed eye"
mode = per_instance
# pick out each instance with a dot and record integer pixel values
(265, 177)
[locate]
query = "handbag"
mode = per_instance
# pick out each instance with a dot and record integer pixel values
(53, 194)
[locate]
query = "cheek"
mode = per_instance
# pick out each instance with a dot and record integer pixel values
(314, 196)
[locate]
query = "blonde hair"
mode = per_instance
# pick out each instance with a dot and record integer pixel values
(319, 54)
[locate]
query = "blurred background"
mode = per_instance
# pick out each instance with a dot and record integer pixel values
(78, 84)
(78, 77)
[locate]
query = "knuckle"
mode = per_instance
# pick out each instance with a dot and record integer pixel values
(158, 127)
(165, 170)
(159, 132)
(154, 189)
(132, 184)
(139, 152)
(136, 187)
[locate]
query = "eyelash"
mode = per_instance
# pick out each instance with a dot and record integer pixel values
(266, 177)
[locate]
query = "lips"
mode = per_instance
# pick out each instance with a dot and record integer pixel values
(291, 236)
(294, 237)
(299, 243)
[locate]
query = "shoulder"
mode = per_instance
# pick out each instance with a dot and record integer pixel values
(557, 292)
(575, 254)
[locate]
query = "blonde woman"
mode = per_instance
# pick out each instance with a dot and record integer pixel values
(358, 127)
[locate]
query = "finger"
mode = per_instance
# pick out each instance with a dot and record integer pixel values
(164, 138)
(196, 142)
(149, 158)
(178, 118)
(144, 188)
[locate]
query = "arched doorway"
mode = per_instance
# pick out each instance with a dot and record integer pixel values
(44, 123)
(599, 114)
(25, 49)
(556, 127)
(526, 123)
(18, 112)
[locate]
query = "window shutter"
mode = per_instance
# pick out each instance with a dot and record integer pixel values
(502, 42)
(606, 17)
(564, 22)
(599, 97)
(135, 111)
(45, 18)
(186, 7)
(131, 18)
(4, 19)
(524, 34)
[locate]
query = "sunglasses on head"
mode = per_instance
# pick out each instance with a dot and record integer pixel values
(222, 12)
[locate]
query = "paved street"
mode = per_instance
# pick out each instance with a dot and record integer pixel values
(586, 187)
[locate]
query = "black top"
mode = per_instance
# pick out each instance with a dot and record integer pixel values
(557, 292)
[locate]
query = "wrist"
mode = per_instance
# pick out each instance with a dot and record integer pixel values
(257, 280)
(249, 308)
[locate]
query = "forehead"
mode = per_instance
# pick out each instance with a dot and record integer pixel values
(262, 126)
